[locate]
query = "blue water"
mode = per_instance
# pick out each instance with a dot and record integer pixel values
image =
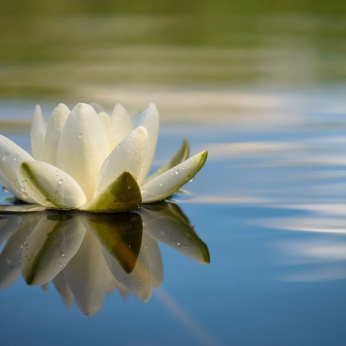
(270, 204)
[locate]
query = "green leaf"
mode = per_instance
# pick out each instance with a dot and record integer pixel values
(120, 196)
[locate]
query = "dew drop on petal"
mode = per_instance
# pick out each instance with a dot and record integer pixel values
(56, 173)
(60, 181)
(80, 135)
(177, 171)
(60, 265)
(48, 201)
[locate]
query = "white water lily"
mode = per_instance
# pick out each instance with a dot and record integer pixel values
(91, 161)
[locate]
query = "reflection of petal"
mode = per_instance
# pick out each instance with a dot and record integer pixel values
(64, 290)
(50, 246)
(88, 276)
(120, 234)
(153, 255)
(8, 225)
(10, 257)
(166, 223)
(138, 282)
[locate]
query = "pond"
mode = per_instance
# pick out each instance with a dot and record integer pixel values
(252, 252)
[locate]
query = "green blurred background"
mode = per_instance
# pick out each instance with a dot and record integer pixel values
(103, 50)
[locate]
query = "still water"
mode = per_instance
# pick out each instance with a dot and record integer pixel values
(253, 252)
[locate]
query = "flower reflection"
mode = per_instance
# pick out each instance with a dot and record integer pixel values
(87, 255)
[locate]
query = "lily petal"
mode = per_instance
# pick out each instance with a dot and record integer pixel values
(21, 208)
(120, 196)
(11, 157)
(149, 118)
(105, 121)
(180, 156)
(55, 126)
(38, 133)
(50, 186)
(172, 180)
(127, 156)
(120, 126)
(83, 147)
(9, 186)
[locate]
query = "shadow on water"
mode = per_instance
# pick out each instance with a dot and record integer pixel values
(87, 255)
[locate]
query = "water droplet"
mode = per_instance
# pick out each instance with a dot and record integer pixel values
(171, 173)
(63, 255)
(90, 121)
(179, 245)
(80, 135)
(128, 150)
(134, 140)
(25, 195)
(48, 201)
(60, 181)
(129, 187)
(56, 173)
(191, 180)
(183, 168)
(18, 153)
(136, 151)
(8, 142)
(60, 265)
(160, 184)
(177, 171)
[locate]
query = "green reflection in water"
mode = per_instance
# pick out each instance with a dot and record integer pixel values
(64, 49)
(87, 256)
